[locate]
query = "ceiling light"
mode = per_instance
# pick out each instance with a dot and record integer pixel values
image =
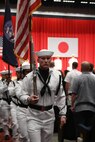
(91, 2)
(69, 1)
(84, 2)
(57, 0)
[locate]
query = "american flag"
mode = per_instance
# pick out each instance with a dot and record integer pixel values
(24, 9)
(1, 45)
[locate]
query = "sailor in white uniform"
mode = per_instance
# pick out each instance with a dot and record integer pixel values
(40, 117)
(6, 99)
(14, 105)
(3, 77)
(22, 108)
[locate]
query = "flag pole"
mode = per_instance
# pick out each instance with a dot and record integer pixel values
(30, 44)
(8, 69)
(32, 52)
(32, 59)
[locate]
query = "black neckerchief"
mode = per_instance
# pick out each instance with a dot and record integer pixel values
(44, 73)
(45, 78)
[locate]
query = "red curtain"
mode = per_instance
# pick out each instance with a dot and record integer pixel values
(84, 30)
(44, 27)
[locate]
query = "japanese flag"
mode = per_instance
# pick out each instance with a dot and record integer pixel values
(63, 47)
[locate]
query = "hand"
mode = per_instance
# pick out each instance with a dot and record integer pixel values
(62, 121)
(33, 99)
(72, 108)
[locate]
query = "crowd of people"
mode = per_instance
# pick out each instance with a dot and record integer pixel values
(28, 104)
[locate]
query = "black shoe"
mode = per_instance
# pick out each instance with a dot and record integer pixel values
(6, 137)
(1, 130)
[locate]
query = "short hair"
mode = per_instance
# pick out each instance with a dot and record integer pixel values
(65, 72)
(74, 65)
(85, 66)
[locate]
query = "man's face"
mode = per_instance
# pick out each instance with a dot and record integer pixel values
(26, 71)
(19, 75)
(8, 77)
(44, 62)
(3, 76)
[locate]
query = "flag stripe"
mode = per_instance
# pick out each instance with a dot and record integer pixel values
(23, 44)
(24, 51)
(22, 29)
(20, 4)
(34, 4)
(24, 13)
(24, 8)
(20, 36)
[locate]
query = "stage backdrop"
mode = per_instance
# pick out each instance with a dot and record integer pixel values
(65, 36)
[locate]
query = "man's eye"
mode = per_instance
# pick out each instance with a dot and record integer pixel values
(45, 58)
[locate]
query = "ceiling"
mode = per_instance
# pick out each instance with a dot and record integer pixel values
(62, 6)
(77, 3)
(68, 8)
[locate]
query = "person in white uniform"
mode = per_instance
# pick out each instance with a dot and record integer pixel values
(1, 83)
(7, 83)
(13, 106)
(22, 108)
(40, 117)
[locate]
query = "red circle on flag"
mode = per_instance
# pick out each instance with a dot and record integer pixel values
(63, 47)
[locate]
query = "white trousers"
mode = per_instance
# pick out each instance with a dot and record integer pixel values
(14, 120)
(6, 116)
(39, 131)
(22, 122)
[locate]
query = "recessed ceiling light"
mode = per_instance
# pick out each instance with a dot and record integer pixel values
(69, 1)
(84, 2)
(91, 2)
(57, 0)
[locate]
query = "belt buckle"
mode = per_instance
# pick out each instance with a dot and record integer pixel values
(42, 108)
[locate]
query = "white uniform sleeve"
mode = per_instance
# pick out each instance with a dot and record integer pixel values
(18, 88)
(3, 87)
(23, 91)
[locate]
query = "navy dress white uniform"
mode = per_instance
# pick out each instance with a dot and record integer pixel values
(22, 108)
(13, 105)
(3, 72)
(6, 105)
(40, 117)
